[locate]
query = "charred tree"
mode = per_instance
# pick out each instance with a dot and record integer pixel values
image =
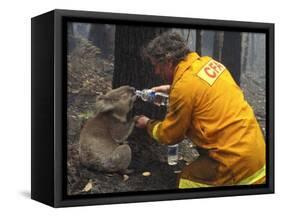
(70, 37)
(218, 44)
(102, 36)
(245, 49)
(199, 42)
(231, 54)
(131, 68)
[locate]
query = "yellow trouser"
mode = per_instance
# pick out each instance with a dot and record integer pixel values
(257, 178)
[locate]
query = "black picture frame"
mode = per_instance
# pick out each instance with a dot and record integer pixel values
(48, 147)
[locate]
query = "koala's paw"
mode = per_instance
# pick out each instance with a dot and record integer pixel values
(119, 160)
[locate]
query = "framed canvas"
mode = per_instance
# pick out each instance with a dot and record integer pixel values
(101, 135)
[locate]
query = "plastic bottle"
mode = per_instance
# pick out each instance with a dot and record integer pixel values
(157, 98)
(188, 151)
(173, 154)
(160, 99)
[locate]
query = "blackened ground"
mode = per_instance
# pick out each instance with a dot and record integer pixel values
(162, 176)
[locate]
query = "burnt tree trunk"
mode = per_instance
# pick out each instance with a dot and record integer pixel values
(218, 44)
(70, 37)
(199, 42)
(102, 36)
(245, 48)
(231, 54)
(131, 68)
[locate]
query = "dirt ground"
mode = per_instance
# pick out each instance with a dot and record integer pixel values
(161, 177)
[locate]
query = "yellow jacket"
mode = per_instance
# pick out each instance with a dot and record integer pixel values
(206, 105)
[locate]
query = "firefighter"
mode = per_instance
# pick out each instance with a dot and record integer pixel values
(207, 106)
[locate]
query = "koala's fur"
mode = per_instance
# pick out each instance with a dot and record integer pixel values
(102, 139)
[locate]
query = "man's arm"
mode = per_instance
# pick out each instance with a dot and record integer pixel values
(177, 121)
(162, 89)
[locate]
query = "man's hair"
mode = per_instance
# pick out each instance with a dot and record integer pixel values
(167, 46)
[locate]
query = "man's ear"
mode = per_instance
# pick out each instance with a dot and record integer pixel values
(103, 104)
(170, 63)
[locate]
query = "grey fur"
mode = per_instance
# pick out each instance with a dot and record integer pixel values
(103, 138)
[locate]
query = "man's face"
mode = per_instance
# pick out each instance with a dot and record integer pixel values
(165, 70)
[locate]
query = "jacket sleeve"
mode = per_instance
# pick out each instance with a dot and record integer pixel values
(177, 121)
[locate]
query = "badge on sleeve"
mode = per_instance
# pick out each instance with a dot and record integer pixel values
(211, 71)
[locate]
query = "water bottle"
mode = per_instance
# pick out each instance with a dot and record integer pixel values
(173, 154)
(188, 151)
(157, 98)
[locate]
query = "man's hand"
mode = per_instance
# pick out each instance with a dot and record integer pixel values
(141, 121)
(162, 89)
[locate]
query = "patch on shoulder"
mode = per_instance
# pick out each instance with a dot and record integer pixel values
(211, 71)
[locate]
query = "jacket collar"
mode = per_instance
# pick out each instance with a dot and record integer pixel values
(184, 65)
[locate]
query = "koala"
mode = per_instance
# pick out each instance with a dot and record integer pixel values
(103, 138)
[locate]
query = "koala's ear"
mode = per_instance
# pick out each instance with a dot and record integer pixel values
(103, 105)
